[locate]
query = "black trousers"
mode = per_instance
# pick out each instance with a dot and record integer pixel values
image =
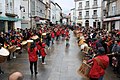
(35, 67)
(93, 79)
(43, 59)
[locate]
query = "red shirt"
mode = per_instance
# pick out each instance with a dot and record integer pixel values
(33, 55)
(67, 33)
(96, 70)
(43, 53)
(38, 46)
(52, 35)
(63, 31)
(58, 33)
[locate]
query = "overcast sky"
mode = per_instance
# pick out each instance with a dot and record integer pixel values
(66, 5)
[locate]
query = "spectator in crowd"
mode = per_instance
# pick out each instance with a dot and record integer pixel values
(100, 63)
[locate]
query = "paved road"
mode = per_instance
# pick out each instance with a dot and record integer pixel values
(62, 64)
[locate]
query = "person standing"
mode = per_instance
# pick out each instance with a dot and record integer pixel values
(100, 63)
(32, 52)
(52, 37)
(48, 39)
(43, 53)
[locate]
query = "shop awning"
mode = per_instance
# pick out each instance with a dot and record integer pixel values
(9, 19)
(112, 19)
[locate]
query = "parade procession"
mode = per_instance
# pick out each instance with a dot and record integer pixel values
(59, 40)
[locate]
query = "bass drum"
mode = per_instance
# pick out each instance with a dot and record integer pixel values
(3, 54)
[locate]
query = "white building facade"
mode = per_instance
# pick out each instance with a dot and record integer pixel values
(47, 9)
(10, 15)
(112, 18)
(58, 13)
(88, 13)
(72, 14)
(33, 11)
(53, 13)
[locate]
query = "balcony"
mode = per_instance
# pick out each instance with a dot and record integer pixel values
(87, 17)
(95, 6)
(79, 8)
(87, 7)
(79, 17)
(94, 16)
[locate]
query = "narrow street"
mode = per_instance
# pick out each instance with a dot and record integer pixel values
(62, 64)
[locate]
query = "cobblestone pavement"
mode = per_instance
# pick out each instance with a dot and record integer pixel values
(62, 64)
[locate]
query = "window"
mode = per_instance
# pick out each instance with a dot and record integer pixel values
(80, 13)
(87, 13)
(80, 4)
(113, 10)
(87, 3)
(95, 12)
(95, 2)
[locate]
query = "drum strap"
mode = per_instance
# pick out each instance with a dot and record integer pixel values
(100, 63)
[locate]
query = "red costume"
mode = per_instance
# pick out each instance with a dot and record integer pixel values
(97, 71)
(33, 55)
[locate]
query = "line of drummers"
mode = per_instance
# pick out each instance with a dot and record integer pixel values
(16, 40)
(100, 49)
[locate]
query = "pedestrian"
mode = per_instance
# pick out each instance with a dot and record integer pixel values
(48, 39)
(43, 53)
(52, 37)
(116, 58)
(38, 48)
(58, 35)
(32, 52)
(100, 63)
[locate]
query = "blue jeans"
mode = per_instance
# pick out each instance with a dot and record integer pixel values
(101, 78)
(52, 39)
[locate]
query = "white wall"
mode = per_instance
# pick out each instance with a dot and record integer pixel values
(25, 14)
(2, 7)
(90, 11)
(53, 12)
(17, 11)
(58, 11)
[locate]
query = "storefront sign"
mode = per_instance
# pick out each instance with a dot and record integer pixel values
(112, 19)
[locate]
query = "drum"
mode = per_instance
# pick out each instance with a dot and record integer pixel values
(35, 37)
(44, 35)
(12, 49)
(84, 70)
(18, 49)
(24, 43)
(3, 54)
(81, 42)
(29, 43)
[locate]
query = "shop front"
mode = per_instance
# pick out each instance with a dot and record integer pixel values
(112, 23)
(7, 23)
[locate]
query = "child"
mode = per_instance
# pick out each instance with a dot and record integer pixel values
(67, 41)
(43, 53)
(67, 38)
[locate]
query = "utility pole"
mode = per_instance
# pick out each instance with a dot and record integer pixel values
(29, 13)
